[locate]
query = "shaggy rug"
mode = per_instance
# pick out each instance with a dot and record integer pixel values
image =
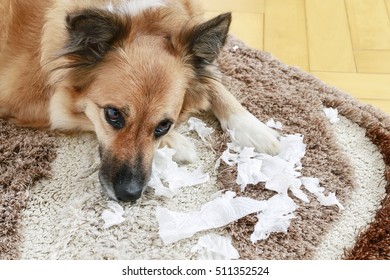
(51, 202)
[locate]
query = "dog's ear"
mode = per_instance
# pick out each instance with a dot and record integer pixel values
(206, 40)
(92, 33)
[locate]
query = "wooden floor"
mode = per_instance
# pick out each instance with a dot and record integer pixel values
(345, 43)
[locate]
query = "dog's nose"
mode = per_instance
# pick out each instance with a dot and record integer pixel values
(123, 181)
(128, 194)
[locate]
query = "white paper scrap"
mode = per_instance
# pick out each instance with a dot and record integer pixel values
(174, 226)
(114, 217)
(292, 148)
(332, 115)
(167, 172)
(280, 173)
(313, 186)
(271, 123)
(235, 48)
(200, 127)
(282, 176)
(275, 218)
(215, 247)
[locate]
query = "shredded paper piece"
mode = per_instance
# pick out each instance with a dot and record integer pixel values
(174, 226)
(165, 170)
(281, 174)
(114, 216)
(332, 115)
(271, 123)
(275, 218)
(313, 186)
(200, 127)
(215, 247)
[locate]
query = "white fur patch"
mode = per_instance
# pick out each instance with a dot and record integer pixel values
(134, 7)
(62, 116)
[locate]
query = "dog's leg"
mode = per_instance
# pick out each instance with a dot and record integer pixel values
(248, 130)
(185, 149)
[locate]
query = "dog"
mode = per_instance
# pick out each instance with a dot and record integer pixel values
(129, 70)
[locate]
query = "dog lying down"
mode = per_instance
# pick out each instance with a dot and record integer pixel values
(128, 70)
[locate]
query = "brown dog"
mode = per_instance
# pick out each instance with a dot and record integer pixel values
(129, 70)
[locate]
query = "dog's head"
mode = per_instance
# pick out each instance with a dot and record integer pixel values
(131, 76)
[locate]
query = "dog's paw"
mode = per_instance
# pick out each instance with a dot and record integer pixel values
(250, 132)
(185, 149)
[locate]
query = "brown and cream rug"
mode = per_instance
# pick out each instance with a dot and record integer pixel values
(51, 202)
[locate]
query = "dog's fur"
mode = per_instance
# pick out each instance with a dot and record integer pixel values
(129, 70)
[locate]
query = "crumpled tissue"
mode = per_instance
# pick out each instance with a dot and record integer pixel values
(174, 226)
(275, 218)
(215, 247)
(280, 173)
(165, 170)
(114, 217)
(313, 186)
(200, 127)
(274, 124)
(332, 115)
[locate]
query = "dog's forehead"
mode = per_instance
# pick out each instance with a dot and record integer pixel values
(151, 81)
(134, 7)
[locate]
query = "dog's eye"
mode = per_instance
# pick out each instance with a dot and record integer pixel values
(162, 128)
(114, 118)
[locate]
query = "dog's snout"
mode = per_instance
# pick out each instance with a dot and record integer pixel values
(128, 193)
(123, 181)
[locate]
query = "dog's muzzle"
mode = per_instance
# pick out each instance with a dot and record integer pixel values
(128, 191)
(123, 182)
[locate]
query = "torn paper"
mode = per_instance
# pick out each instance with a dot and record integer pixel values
(235, 48)
(174, 226)
(114, 216)
(167, 177)
(275, 218)
(215, 247)
(292, 149)
(313, 186)
(200, 127)
(271, 123)
(332, 115)
(279, 173)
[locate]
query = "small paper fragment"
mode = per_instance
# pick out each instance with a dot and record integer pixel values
(332, 115)
(174, 226)
(329, 200)
(292, 149)
(114, 216)
(313, 186)
(200, 127)
(274, 124)
(215, 247)
(275, 218)
(249, 172)
(279, 173)
(235, 48)
(167, 172)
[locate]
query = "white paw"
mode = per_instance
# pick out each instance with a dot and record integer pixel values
(250, 132)
(185, 149)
